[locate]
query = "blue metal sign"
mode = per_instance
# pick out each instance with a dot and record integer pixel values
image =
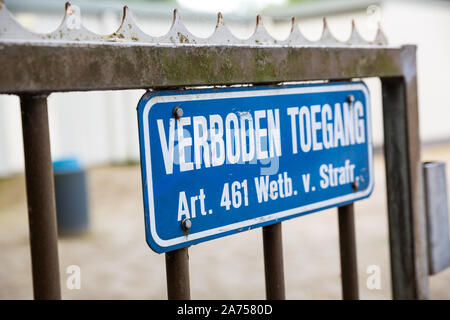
(220, 161)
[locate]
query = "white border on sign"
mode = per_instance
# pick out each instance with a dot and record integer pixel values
(269, 217)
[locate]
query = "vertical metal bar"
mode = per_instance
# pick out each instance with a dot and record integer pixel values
(347, 244)
(40, 197)
(273, 262)
(177, 272)
(406, 209)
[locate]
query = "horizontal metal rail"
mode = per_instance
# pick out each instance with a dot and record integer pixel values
(49, 67)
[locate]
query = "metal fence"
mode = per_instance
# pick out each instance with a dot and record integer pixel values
(75, 59)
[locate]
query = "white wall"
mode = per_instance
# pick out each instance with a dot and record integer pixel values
(426, 24)
(11, 147)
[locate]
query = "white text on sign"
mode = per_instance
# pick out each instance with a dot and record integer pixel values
(240, 137)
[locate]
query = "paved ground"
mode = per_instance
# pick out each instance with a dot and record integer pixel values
(116, 262)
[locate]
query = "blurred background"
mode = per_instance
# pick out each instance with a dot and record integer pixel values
(99, 129)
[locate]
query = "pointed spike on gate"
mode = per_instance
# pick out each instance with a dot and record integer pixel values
(355, 37)
(258, 20)
(121, 32)
(220, 21)
(176, 16)
(380, 37)
(325, 27)
(178, 34)
(293, 24)
(327, 37)
(325, 30)
(72, 17)
(129, 30)
(261, 35)
(71, 28)
(67, 6)
(67, 11)
(221, 33)
(125, 17)
(125, 13)
(295, 36)
(176, 21)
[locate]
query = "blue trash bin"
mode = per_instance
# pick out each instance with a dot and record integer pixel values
(71, 195)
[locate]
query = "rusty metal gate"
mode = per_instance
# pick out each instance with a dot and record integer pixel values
(75, 59)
